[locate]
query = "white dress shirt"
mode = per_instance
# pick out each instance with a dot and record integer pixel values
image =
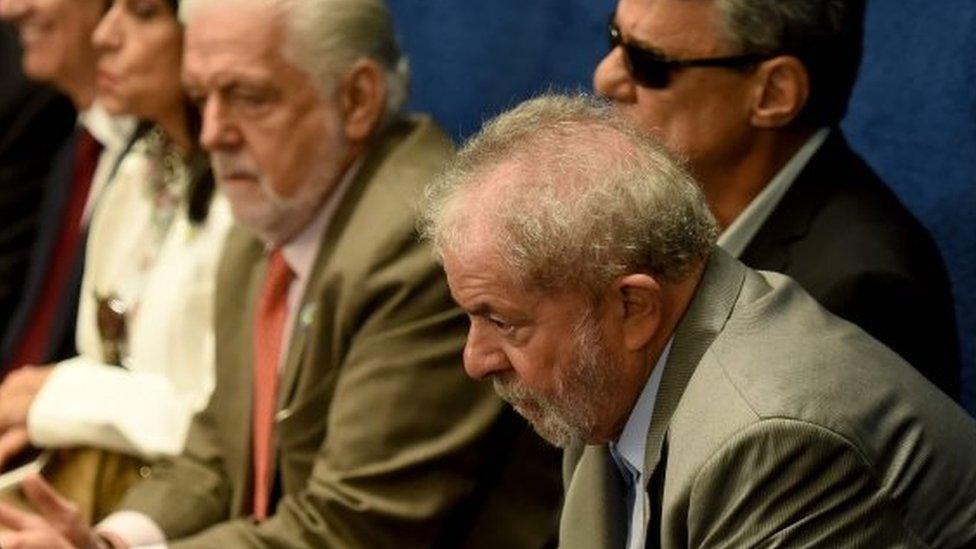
(737, 236)
(300, 254)
(629, 452)
(165, 275)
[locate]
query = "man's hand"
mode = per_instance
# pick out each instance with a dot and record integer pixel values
(58, 526)
(44, 538)
(17, 394)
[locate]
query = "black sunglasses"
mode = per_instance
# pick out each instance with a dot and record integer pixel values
(652, 69)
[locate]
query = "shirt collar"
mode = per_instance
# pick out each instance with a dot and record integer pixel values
(630, 447)
(111, 131)
(737, 236)
(301, 251)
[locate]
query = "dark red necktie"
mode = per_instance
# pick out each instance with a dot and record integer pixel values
(36, 338)
(269, 326)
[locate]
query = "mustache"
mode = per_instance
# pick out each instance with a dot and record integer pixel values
(515, 394)
(233, 166)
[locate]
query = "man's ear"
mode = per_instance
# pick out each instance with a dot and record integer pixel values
(362, 99)
(641, 298)
(782, 89)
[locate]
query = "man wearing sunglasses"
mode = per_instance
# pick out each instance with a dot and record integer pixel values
(751, 93)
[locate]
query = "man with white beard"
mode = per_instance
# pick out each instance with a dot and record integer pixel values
(719, 406)
(341, 416)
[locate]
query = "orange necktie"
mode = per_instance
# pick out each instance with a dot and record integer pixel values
(269, 326)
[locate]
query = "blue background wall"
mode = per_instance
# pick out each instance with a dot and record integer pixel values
(913, 115)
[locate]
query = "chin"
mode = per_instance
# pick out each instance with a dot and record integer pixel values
(39, 66)
(254, 213)
(113, 105)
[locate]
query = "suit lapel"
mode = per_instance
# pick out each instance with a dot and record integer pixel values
(704, 319)
(594, 514)
(594, 509)
(293, 360)
(239, 280)
(334, 230)
(791, 220)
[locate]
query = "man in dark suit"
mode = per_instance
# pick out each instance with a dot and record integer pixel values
(34, 123)
(751, 93)
(57, 51)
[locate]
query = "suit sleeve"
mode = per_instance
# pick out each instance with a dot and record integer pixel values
(786, 483)
(186, 493)
(406, 429)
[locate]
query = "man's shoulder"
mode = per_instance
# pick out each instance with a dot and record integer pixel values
(788, 385)
(855, 221)
(781, 350)
(781, 356)
(375, 223)
(409, 152)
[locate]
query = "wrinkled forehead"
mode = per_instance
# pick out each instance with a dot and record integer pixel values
(220, 42)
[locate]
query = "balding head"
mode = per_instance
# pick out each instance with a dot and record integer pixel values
(574, 243)
(569, 193)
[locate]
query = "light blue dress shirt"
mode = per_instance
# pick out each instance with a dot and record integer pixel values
(628, 453)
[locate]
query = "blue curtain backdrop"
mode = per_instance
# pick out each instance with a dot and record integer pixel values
(913, 115)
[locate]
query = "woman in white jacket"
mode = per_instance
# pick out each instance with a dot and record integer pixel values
(144, 332)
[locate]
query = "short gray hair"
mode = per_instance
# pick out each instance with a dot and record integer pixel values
(595, 198)
(324, 37)
(826, 35)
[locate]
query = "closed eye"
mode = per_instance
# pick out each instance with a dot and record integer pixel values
(501, 325)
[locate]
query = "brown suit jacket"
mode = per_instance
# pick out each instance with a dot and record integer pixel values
(778, 424)
(382, 441)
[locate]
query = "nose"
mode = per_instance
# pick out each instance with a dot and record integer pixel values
(216, 131)
(11, 10)
(612, 80)
(482, 358)
(107, 35)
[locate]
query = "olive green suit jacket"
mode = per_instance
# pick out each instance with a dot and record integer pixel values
(382, 441)
(777, 424)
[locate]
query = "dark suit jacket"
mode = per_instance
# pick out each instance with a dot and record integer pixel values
(50, 201)
(35, 127)
(844, 236)
(382, 441)
(777, 424)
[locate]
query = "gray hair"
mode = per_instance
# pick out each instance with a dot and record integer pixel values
(326, 36)
(593, 198)
(826, 35)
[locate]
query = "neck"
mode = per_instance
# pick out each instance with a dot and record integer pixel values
(302, 217)
(81, 93)
(730, 189)
(677, 297)
(77, 81)
(174, 125)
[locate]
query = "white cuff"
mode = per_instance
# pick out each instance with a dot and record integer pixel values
(136, 529)
(83, 402)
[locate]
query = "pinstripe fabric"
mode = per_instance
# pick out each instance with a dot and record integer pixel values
(780, 425)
